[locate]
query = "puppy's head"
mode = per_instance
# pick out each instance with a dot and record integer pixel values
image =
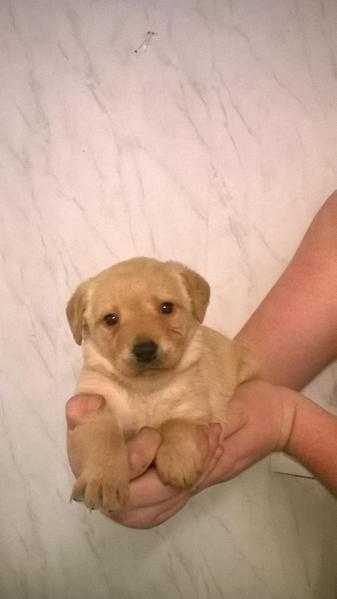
(139, 314)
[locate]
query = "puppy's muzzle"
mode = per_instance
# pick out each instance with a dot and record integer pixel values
(145, 352)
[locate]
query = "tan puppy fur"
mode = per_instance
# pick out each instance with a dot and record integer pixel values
(186, 383)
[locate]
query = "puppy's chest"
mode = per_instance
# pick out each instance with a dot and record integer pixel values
(181, 398)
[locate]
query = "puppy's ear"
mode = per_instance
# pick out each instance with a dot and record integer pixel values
(75, 311)
(197, 288)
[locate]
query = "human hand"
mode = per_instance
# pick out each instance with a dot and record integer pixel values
(259, 421)
(260, 418)
(150, 502)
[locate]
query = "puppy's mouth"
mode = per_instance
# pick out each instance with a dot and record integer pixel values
(145, 359)
(143, 368)
(132, 368)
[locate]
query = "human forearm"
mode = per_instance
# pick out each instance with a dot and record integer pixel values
(293, 332)
(313, 440)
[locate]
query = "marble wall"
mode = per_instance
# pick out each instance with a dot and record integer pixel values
(214, 144)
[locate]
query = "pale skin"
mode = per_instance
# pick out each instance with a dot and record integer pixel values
(294, 335)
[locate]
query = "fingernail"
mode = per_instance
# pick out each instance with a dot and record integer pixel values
(218, 453)
(92, 403)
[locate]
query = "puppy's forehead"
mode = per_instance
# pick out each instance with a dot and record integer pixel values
(136, 280)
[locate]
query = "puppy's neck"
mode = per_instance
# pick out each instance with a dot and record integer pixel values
(150, 380)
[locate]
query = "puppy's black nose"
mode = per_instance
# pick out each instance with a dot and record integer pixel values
(146, 351)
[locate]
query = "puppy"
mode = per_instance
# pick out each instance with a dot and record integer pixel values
(146, 352)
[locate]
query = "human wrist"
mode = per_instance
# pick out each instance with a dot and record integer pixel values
(313, 441)
(288, 403)
(310, 426)
(273, 407)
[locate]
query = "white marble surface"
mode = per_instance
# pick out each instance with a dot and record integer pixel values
(215, 145)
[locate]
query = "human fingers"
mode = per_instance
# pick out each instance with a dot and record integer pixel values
(142, 450)
(153, 515)
(236, 420)
(80, 406)
(241, 450)
(148, 490)
(217, 436)
(150, 502)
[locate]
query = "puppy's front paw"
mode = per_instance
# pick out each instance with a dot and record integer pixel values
(103, 486)
(182, 454)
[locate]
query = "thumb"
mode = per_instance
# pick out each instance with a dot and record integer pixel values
(142, 450)
(235, 422)
(80, 406)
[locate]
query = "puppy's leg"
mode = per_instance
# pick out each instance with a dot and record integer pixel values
(99, 455)
(182, 454)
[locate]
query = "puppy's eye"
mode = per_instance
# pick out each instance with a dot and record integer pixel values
(166, 307)
(111, 319)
